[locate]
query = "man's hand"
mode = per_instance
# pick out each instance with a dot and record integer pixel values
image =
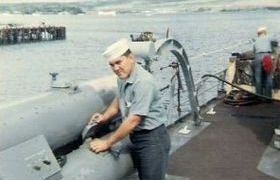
(110, 112)
(97, 118)
(98, 145)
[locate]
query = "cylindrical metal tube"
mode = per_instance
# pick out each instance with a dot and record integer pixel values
(60, 115)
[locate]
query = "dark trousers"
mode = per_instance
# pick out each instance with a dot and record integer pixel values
(262, 79)
(149, 152)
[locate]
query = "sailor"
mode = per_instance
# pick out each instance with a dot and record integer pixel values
(140, 104)
(263, 64)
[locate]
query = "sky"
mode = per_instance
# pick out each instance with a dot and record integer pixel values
(228, 2)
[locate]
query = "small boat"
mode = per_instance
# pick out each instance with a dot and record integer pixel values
(107, 13)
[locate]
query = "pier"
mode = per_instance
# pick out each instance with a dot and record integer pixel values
(15, 35)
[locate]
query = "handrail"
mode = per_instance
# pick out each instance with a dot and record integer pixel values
(179, 52)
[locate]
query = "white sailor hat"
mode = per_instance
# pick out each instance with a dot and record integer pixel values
(116, 50)
(262, 29)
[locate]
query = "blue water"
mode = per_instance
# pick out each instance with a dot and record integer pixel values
(24, 68)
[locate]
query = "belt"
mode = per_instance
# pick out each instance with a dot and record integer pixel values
(263, 52)
(144, 131)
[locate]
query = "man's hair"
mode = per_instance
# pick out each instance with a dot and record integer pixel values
(127, 53)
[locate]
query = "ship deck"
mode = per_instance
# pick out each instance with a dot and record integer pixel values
(236, 145)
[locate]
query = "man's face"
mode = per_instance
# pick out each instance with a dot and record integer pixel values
(262, 33)
(122, 66)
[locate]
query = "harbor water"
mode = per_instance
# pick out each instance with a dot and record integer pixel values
(208, 38)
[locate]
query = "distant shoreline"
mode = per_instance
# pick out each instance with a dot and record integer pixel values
(102, 8)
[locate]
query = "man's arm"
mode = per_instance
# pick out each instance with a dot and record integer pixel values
(126, 127)
(111, 111)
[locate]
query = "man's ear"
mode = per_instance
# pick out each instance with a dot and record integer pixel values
(131, 56)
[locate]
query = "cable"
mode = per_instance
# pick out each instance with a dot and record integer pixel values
(221, 49)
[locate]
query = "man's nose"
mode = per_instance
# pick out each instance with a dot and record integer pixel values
(115, 67)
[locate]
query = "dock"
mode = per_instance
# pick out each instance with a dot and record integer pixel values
(16, 35)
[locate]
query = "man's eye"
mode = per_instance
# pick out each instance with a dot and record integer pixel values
(115, 63)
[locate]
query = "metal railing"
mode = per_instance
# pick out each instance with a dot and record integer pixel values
(183, 96)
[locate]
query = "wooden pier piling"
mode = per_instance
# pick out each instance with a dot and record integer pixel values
(17, 35)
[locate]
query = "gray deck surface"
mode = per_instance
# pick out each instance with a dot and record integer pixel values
(231, 147)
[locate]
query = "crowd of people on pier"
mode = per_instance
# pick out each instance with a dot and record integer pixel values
(14, 34)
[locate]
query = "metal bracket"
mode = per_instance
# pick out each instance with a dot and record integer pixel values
(178, 51)
(32, 160)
